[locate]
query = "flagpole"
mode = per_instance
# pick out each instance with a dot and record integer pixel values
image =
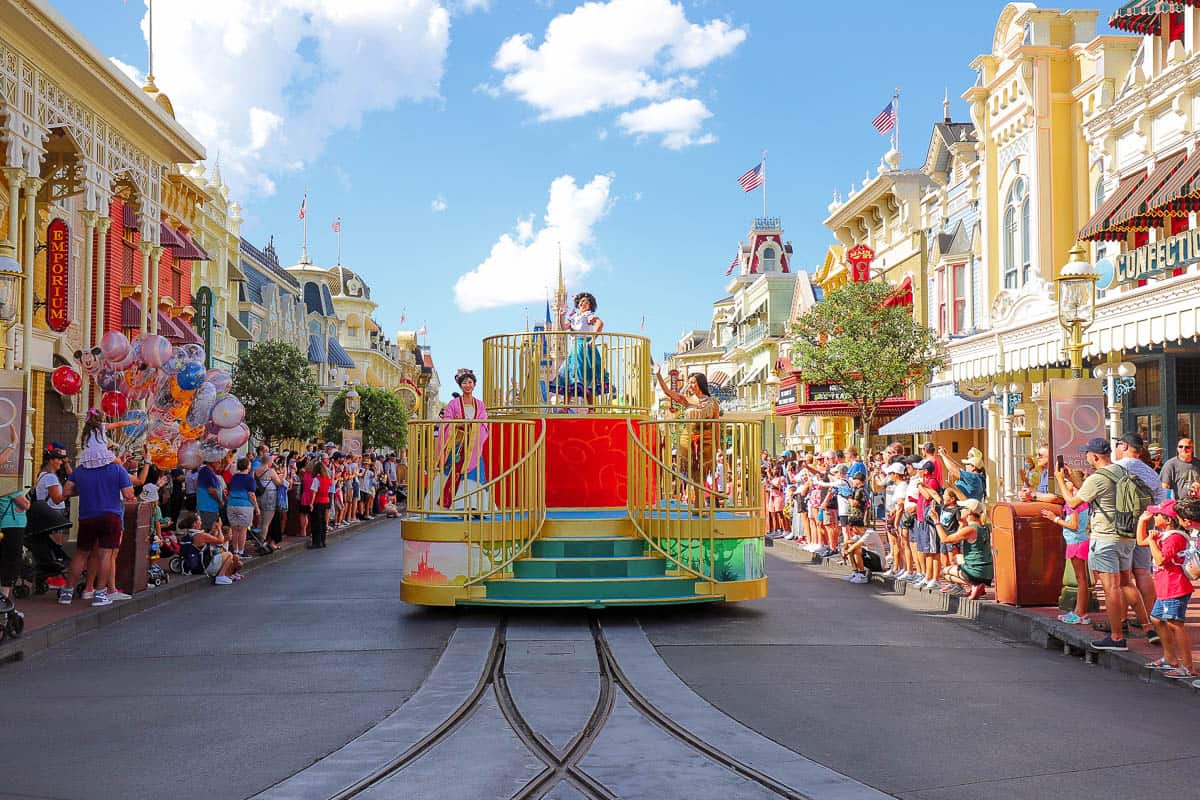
(764, 163)
(339, 261)
(304, 219)
(896, 127)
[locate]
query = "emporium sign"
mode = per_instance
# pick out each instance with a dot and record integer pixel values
(1151, 259)
(58, 261)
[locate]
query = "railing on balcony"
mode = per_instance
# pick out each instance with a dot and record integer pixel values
(687, 479)
(531, 374)
(752, 334)
(485, 478)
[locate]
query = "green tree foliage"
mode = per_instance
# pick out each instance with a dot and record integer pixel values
(382, 417)
(281, 396)
(873, 351)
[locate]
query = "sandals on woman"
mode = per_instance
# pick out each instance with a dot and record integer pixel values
(1180, 674)
(1159, 664)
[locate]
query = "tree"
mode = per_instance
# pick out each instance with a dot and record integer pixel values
(871, 349)
(282, 399)
(382, 417)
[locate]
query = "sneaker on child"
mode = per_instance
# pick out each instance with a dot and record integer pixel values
(101, 598)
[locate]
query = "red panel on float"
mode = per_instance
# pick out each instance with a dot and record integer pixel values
(585, 461)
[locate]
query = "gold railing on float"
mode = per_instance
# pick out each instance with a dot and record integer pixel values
(449, 481)
(532, 374)
(689, 477)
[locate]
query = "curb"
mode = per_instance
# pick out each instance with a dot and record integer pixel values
(14, 650)
(1014, 623)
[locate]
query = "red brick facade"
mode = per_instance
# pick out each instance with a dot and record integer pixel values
(124, 268)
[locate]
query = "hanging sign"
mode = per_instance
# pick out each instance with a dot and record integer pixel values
(860, 257)
(1077, 415)
(58, 272)
(825, 392)
(203, 301)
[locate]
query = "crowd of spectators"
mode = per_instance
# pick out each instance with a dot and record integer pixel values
(229, 510)
(1127, 527)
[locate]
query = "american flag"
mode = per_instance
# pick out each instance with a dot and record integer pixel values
(403, 315)
(752, 179)
(886, 121)
(423, 330)
(303, 206)
(733, 264)
(337, 225)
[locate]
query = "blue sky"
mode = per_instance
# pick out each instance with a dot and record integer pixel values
(382, 112)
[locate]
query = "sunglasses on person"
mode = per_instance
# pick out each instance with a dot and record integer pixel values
(1185, 447)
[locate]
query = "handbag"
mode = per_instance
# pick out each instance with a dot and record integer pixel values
(1191, 563)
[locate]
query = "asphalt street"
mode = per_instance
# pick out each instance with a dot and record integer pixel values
(927, 706)
(225, 691)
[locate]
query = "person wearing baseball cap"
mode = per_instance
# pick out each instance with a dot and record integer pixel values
(974, 536)
(1110, 554)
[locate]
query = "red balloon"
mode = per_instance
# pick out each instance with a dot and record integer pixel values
(114, 404)
(66, 380)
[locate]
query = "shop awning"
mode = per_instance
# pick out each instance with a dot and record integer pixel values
(187, 334)
(718, 378)
(316, 349)
(1179, 193)
(338, 357)
(235, 272)
(168, 328)
(1137, 213)
(938, 414)
(888, 409)
(1098, 226)
(1143, 16)
(752, 375)
(903, 296)
(131, 313)
(129, 216)
(167, 236)
(237, 329)
(190, 251)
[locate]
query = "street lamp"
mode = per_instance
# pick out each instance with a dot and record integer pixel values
(353, 404)
(10, 284)
(1076, 304)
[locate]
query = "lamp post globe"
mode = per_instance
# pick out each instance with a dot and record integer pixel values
(1076, 303)
(353, 405)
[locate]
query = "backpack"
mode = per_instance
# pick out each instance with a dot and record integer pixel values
(1133, 498)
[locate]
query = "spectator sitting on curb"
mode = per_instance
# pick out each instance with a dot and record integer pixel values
(1167, 546)
(1110, 554)
(974, 569)
(224, 565)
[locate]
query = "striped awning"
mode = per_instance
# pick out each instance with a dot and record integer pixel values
(190, 251)
(338, 357)
(167, 236)
(1136, 214)
(718, 378)
(1098, 226)
(316, 349)
(1181, 193)
(1145, 16)
(936, 414)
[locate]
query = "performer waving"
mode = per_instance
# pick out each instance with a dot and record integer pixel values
(461, 445)
(583, 375)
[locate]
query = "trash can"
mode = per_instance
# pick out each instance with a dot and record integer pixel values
(1028, 554)
(133, 559)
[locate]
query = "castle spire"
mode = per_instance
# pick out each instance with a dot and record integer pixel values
(946, 106)
(560, 294)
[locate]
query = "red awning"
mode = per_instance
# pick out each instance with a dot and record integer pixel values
(187, 334)
(1136, 214)
(1098, 226)
(128, 216)
(1145, 16)
(903, 296)
(168, 237)
(1178, 195)
(131, 313)
(190, 251)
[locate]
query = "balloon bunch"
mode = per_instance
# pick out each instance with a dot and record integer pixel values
(189, 418)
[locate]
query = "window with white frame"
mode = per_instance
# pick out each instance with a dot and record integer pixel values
(958, 274)
(1016, 229)
(770, 260)
(950, 291)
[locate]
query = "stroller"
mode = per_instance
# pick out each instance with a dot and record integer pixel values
(257, 537)
(192, 560)
(43, 560)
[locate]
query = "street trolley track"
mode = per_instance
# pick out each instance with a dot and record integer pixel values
(561, 765)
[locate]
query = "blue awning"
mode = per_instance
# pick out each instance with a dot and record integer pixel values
(938, 414)
(338, 356)
(316, 350)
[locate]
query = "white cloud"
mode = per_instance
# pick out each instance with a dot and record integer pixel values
(678, 121)
(438, 205)
(133, 73)
(471, 6)
(610, 55)
(269, 101)
(523, 263)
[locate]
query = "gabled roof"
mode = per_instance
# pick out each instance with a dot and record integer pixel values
(944, 135)
(954, 243)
